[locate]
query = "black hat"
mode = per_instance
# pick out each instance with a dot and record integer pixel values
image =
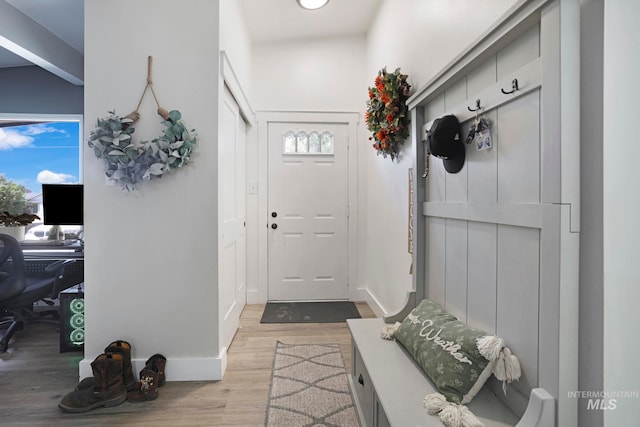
(445, 143)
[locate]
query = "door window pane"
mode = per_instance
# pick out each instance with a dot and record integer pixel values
(327, 143)
(302, 143)
(289, 143)
(314, 143)
(311, 143)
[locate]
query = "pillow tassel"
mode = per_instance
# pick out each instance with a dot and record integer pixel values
(450, 414)
(499, 368)
(510, 366)
(434, 403)
(507, 368)
(490, 346)
(469, 419)
(388, 331)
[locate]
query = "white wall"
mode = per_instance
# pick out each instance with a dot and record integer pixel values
(621, 207)
(309, 75)
(151, 257)
(235, 41)
(424, 37)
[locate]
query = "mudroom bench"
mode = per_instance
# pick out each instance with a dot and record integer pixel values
(388, 388)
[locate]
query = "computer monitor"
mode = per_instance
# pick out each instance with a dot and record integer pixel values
(63, 204)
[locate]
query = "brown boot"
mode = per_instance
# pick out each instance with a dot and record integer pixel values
(123, 348)
(158, 363)
(147, 387)
(107, 390)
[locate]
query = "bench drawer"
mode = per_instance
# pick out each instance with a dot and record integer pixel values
(381, 417)
(363, 387)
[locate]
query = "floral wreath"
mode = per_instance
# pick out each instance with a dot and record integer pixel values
(387, 114)
(127, 162)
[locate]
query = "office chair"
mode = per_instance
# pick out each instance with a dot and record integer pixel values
(19, 289)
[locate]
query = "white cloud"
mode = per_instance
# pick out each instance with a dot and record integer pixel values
(13, 138)
(42, 128)
(48, 177)
(10, 139)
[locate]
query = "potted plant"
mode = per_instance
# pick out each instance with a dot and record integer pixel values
(14, 225)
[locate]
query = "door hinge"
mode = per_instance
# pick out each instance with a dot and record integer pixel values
(348, 211)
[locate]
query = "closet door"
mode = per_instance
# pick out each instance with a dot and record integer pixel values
(232, 213)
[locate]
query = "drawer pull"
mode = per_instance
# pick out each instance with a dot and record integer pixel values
(360, 380)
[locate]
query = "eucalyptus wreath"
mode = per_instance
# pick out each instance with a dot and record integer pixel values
(128, 162)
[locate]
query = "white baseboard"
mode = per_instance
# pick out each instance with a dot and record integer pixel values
(178, 369)
(255, 297)
(358, 294)
(373, 303)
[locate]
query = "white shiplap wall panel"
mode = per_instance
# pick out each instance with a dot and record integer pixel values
(481, 77)
(506, 213)
(436, 246)
(483, 168)
(455, 94)
(455, 184)
(485, 270)
(522, 51)
(518, 131)
(482, 280)
(517, 297)
(436, 187)
(456, 268)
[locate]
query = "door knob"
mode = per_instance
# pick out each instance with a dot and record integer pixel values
(274, 226)
(274, 214)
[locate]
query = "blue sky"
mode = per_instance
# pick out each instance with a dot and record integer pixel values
(40, 153)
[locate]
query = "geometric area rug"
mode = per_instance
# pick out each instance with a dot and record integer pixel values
(309, 387)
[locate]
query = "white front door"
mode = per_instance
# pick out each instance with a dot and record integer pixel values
(232, 240)
(308, 211)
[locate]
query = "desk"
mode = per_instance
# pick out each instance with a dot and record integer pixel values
(38, 257)
(72, 248)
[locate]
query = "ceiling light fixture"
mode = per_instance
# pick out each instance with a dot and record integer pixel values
(312, 4)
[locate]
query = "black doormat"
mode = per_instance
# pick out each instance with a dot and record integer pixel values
(309, 312)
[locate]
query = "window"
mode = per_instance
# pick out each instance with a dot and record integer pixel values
(307, 143)
(36, 150)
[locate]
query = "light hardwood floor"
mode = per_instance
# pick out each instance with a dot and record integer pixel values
(34, 376)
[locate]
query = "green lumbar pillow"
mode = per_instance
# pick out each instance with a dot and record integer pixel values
(457, 358)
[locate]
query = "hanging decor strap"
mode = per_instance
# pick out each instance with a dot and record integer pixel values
(128, 162)
(135, 115)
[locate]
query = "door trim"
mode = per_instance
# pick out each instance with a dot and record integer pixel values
(264, 118)
(234, 86)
